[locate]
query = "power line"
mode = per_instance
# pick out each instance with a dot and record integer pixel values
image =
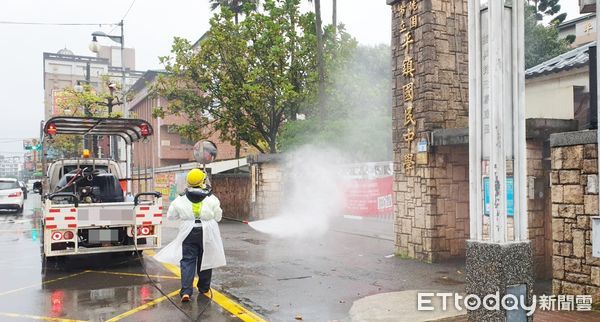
(125, 15)
(4, 22)
(127, 12)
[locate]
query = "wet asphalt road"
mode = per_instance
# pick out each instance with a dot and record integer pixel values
(91, 288)
(319, 277)
(316, 278)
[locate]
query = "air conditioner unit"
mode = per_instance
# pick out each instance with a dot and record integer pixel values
(587, 6)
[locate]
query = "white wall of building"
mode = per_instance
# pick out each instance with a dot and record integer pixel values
(552, 96)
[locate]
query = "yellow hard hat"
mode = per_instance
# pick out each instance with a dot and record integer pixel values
(195, 178)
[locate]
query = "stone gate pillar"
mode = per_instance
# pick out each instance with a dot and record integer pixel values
(430, 53)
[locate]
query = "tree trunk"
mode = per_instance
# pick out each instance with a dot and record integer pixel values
(320, 63)
(334, 18)
(236, 7)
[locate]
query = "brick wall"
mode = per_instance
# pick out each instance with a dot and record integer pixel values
(538, 210)
(574, 181)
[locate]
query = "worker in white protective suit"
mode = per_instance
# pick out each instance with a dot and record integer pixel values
(198, 246)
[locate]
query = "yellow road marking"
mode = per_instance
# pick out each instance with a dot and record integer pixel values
(222, 300)
(142, 307)
(134, 274)
(46, 282)
(36, 317)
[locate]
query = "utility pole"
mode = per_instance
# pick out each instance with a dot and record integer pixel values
(89, 142)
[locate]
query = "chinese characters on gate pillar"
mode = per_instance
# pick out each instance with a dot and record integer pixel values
(409, 21)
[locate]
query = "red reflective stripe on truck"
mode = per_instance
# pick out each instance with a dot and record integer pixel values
(70, 218)
(158, 215)
(49, 218)
(140, 215)
(54, 210)
(50, 226)
(160, 208)
(144, 208)
(73, 209)
(72, 225)
(146, 223)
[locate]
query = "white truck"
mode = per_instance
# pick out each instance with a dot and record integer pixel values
(86, 208)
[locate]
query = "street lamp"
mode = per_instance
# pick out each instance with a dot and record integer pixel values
(78, 88)
(94, 47)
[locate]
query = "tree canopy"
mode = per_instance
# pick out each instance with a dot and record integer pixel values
(246, 79)
(235, 6)
(542, 42)
(83, 101)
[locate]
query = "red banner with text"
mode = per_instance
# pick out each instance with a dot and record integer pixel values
(369, 197)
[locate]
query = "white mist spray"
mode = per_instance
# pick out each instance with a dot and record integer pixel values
(358, 130)
(313, 194)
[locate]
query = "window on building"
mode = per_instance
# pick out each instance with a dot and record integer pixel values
(186, 141)
(115, 57)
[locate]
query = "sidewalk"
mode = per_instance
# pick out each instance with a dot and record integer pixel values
(547, 316)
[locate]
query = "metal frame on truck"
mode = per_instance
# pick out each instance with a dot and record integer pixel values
(75, 223)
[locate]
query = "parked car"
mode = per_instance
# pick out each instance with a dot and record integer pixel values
(24, 188)
(11, 195)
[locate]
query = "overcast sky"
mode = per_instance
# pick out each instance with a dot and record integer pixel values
(150, 27)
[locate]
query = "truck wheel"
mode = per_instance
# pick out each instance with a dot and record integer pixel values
(19, 210)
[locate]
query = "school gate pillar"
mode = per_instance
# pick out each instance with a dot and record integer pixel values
(430, 117)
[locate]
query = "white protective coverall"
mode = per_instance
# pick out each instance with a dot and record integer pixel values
(210, 214)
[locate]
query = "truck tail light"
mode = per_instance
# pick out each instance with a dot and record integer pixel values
(15, 194)
(51, 129)
(144, 130)
(145, 231)
(62, 235)
(68, 235)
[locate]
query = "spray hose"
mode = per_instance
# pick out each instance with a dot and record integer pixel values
(238, 220)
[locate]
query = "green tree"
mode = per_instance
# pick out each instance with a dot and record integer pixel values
(83, 101)
(246, 79)
(548, 8)
(541, 42)
(236, 6)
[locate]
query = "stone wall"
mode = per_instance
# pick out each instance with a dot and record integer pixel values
(574, 182)
(266, 190)
(433, 207)
(431, 200)
(433, 219)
